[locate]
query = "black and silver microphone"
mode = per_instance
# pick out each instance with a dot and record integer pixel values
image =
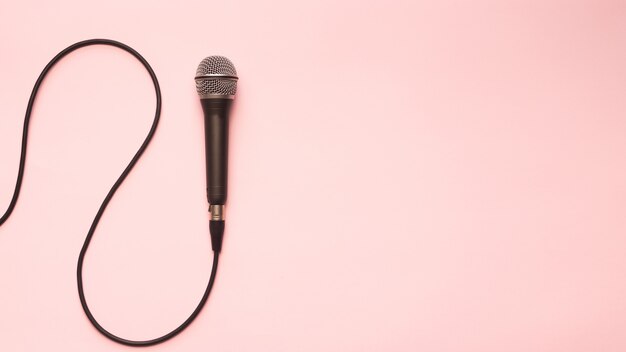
(216, 83)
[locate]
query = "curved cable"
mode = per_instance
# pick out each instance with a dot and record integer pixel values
(111, 193)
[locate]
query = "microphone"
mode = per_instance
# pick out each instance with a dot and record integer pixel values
(216, 83)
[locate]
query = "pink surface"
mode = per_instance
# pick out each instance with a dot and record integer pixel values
(405, 176)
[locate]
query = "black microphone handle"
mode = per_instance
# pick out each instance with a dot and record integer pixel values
(216, 114)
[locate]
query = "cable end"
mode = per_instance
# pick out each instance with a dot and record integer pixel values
(216, 228)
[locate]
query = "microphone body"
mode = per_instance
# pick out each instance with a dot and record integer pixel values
(216, 115)
(216, 83)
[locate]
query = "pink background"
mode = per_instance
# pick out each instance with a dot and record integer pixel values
(405, 176)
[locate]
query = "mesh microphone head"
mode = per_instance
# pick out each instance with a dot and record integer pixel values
(216, 77)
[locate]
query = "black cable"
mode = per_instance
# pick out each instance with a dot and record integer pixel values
(107, 199)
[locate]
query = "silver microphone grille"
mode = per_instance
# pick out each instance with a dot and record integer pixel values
(215, 76)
